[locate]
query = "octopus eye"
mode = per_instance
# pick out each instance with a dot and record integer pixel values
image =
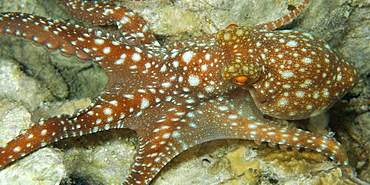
(240, 80)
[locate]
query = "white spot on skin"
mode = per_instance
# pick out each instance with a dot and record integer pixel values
(141, 90)
(193, 80)
(252, 126)
(176, 134)
(186, 89)
(326, 93)
(175, 64)
(99, 41)
(147, 65)
(239, 32)
(130, 96)
(17, 149)
(187, 56)
(227, 36)
(121, 60)
(166, 135)
(107, 111)
(339, 77)
(323, 146)
(204, 67)
(307, 60)
(263, 56)
(316, 95)
(287, 86)
(144, 103)
(44, 132)
(193, 125)
(253, 133)
(292, 43)
(190, 115)
(306, 83)
(114, 102)
(190, 101)
(233, 116)
(136, 57)
(223, 108)
(300, 94)
(163, 68)
(109, 119)
(287, 74)
(124, 20)
(138, 50)
(209, 89)
(166, 84)
(282, 102)
(207, 56)
(106, 50)
(269, 34)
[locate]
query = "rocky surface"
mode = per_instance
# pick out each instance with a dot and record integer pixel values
(43, 83)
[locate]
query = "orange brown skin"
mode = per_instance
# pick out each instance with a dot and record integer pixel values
(281, 78)
(187, 92)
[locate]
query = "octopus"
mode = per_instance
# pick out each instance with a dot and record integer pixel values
(180, 94)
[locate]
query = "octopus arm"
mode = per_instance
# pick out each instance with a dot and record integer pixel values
(161, 139)
(105, 49)
(220, 116)
(42, 31)
(236, 117)
(279, 22)
(133, 27)
(96, 118)
(231, 116)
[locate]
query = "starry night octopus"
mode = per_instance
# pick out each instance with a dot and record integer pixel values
(184, 93)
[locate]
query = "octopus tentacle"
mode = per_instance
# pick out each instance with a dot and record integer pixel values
(98, 117)
(161, 139)
(104, 49)
(279, 22)
(70, 39)
(91, 120)
(42, 31)
(132, 25)
(242, 116)
(218, 118)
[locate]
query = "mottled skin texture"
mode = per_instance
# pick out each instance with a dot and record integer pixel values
(182, 94)
(278, 84)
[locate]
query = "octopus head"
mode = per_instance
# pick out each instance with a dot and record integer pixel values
(291, 75)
